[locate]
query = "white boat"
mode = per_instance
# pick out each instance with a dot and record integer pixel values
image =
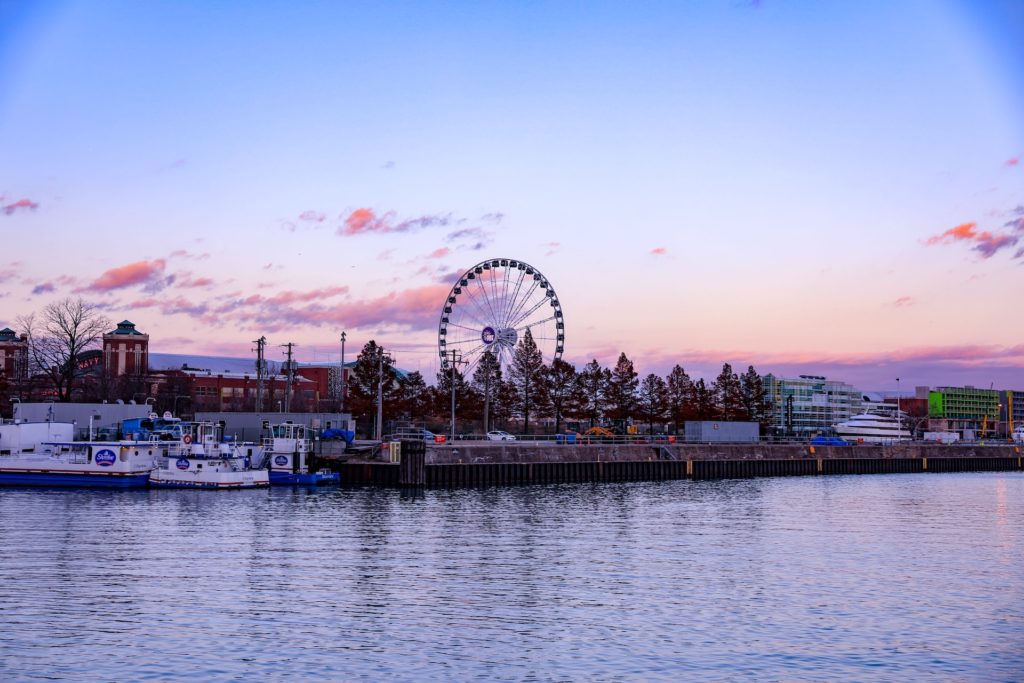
(872, 428)
(288, 449)
(46, 454)
(200, 458)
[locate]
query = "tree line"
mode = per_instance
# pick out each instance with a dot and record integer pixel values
(533, 394)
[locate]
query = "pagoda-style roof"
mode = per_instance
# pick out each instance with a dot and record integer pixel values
(7, 334)
(126, 327)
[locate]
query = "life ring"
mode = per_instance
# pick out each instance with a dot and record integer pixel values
(187, 439)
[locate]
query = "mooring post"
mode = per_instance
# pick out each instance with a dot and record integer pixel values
(412, 470)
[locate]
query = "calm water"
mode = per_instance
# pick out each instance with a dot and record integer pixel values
(903, 577)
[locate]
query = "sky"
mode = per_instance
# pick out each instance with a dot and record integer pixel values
(826, 188)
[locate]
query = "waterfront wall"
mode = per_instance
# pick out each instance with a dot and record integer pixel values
(498, 452)
(520, 464)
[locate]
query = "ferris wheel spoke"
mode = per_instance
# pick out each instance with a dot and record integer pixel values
(463, 327)
(504, 292)
(530, 312)
(507, 312)
(487, 300)
(509, 321)
(469, 340)
(479, 309)
(534, 323)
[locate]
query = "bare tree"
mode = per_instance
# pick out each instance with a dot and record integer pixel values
(59, 336)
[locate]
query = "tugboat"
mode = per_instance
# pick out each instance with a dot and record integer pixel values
(287, 450)
(200, 458)
(46, 454)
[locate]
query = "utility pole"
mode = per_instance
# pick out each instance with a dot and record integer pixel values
(454, 359)
(290, 377)
(261, 371)
(342, 410)
(380, 391)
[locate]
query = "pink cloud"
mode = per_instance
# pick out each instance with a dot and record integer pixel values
(190, 282)
(985, 243)
(552, 248)
(21, 204)
(1013, 161)
(312, 216)
(182, 253)
(659, 251)
(364, 221)
(414, 309)
(290, 297)
(140, 272)
(964, 231)
(904, 301)
(439, 253)
(43, 288)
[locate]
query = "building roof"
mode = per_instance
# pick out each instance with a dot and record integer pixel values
(7, 334)
(126, 327)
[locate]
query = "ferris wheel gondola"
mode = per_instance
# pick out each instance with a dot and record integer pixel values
(491, 307)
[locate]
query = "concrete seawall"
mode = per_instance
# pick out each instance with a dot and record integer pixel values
(485, 464)
(525, 452)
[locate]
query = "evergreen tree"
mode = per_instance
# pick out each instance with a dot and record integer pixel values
(728, 397)
(653, 400)
(487, 381)
(465, 396)
(622, 388)
(372, 366)
(593, 386)
(755, 401)
(526, 373)
(561, 382)
(413, 396)
(680, 396)
(704, 401)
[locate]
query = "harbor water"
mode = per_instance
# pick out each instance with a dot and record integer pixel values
(885, 577)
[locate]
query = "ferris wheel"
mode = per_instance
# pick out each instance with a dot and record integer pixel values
(489, 310)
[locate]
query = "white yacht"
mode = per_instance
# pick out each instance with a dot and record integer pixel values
(872, 428)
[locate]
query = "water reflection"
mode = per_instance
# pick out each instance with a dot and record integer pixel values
(899, 577)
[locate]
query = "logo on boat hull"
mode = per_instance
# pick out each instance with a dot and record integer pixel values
(281, 460)
(105, 457)
(181, 463)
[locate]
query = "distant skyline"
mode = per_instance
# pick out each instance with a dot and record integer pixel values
(812, 188)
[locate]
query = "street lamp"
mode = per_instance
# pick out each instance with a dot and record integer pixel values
(380, 391)
(455, 358)
(342, 372)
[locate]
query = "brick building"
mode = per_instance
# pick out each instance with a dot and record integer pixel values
(13, 355)
(126, 351)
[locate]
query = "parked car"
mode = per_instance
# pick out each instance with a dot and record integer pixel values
(424, 435)
(498, 435)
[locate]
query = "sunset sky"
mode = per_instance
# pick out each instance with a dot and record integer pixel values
(827, 188)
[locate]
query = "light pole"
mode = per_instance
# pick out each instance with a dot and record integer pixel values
(899, 418)
(455, 358)
(380, 391)
(342, 372)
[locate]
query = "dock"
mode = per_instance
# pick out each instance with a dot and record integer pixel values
(481, 464)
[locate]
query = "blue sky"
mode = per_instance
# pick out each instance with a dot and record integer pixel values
(701, 182)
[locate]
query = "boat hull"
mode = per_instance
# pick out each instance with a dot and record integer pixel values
(304, 478)
(73, 479)
(218, 485)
